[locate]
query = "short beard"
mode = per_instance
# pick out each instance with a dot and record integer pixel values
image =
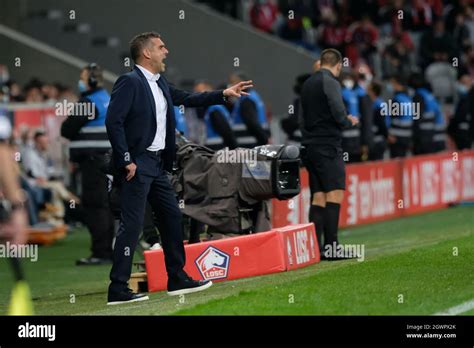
(163, 67)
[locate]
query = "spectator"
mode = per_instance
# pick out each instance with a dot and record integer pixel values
(15, 92)
(50, 92)
(467, 60)
(33, 94)
(67, 93)
(331, 32)
(38, 168)
(390, 17)
(399, 59)
(442, 78)
(421, 15)
(263, 15)
(436, 44)
(362, 38)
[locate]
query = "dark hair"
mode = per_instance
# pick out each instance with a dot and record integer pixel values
(241, 75)
(300, 80)
(39, 133)
(331, 57)
(417, 80)
(140, 41)
(376, 87)
(95, 76)
(397, 78)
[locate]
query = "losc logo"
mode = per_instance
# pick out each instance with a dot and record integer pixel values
(213, 263)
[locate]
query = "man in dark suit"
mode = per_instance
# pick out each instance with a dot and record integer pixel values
(141, 128)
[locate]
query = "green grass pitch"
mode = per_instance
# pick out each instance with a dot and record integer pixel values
(411, 267)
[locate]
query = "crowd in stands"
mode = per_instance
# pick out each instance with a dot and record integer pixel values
(388, 35)
(387, 42)
(420, 51)
(48, 200)
(35, 91)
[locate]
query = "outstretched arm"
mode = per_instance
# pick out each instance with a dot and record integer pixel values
(208, 98)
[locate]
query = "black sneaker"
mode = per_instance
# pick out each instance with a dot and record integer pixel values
(93, 261)
(126, 297)
(186, 285)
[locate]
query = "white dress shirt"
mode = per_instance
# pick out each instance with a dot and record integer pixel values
(161, 108)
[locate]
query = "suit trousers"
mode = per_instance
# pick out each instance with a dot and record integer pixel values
(151, 184)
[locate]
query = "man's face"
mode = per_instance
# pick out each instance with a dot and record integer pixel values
(42, 142)
(466, 80)
(156, 52)
(84, 76)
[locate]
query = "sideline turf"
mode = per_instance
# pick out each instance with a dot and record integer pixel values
(410, 256)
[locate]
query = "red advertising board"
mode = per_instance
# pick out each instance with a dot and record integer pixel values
(240, 257)
(430, 182)
(300, 245)
(383, 190)
(467, 175)
(372, 193)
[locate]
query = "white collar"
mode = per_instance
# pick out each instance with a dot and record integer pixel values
(148, 74)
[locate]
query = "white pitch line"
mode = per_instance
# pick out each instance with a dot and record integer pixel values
(463, 307)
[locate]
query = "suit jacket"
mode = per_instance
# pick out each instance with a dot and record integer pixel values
(131, 116)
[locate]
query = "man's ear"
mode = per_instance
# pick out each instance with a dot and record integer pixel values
(146, 53)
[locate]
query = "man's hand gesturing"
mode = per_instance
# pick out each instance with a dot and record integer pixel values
(237, 90)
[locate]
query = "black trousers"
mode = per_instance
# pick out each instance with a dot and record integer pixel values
(398, 149)
(222, 127)
(377, 151)
(151, 184)
(150, 233)
(255, 128)
(97, 212)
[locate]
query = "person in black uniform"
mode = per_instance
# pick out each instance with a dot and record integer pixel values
(461, 124)
(424, 128)
(324, 117)
(88, 147)
(379, 126)
(291, 124)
